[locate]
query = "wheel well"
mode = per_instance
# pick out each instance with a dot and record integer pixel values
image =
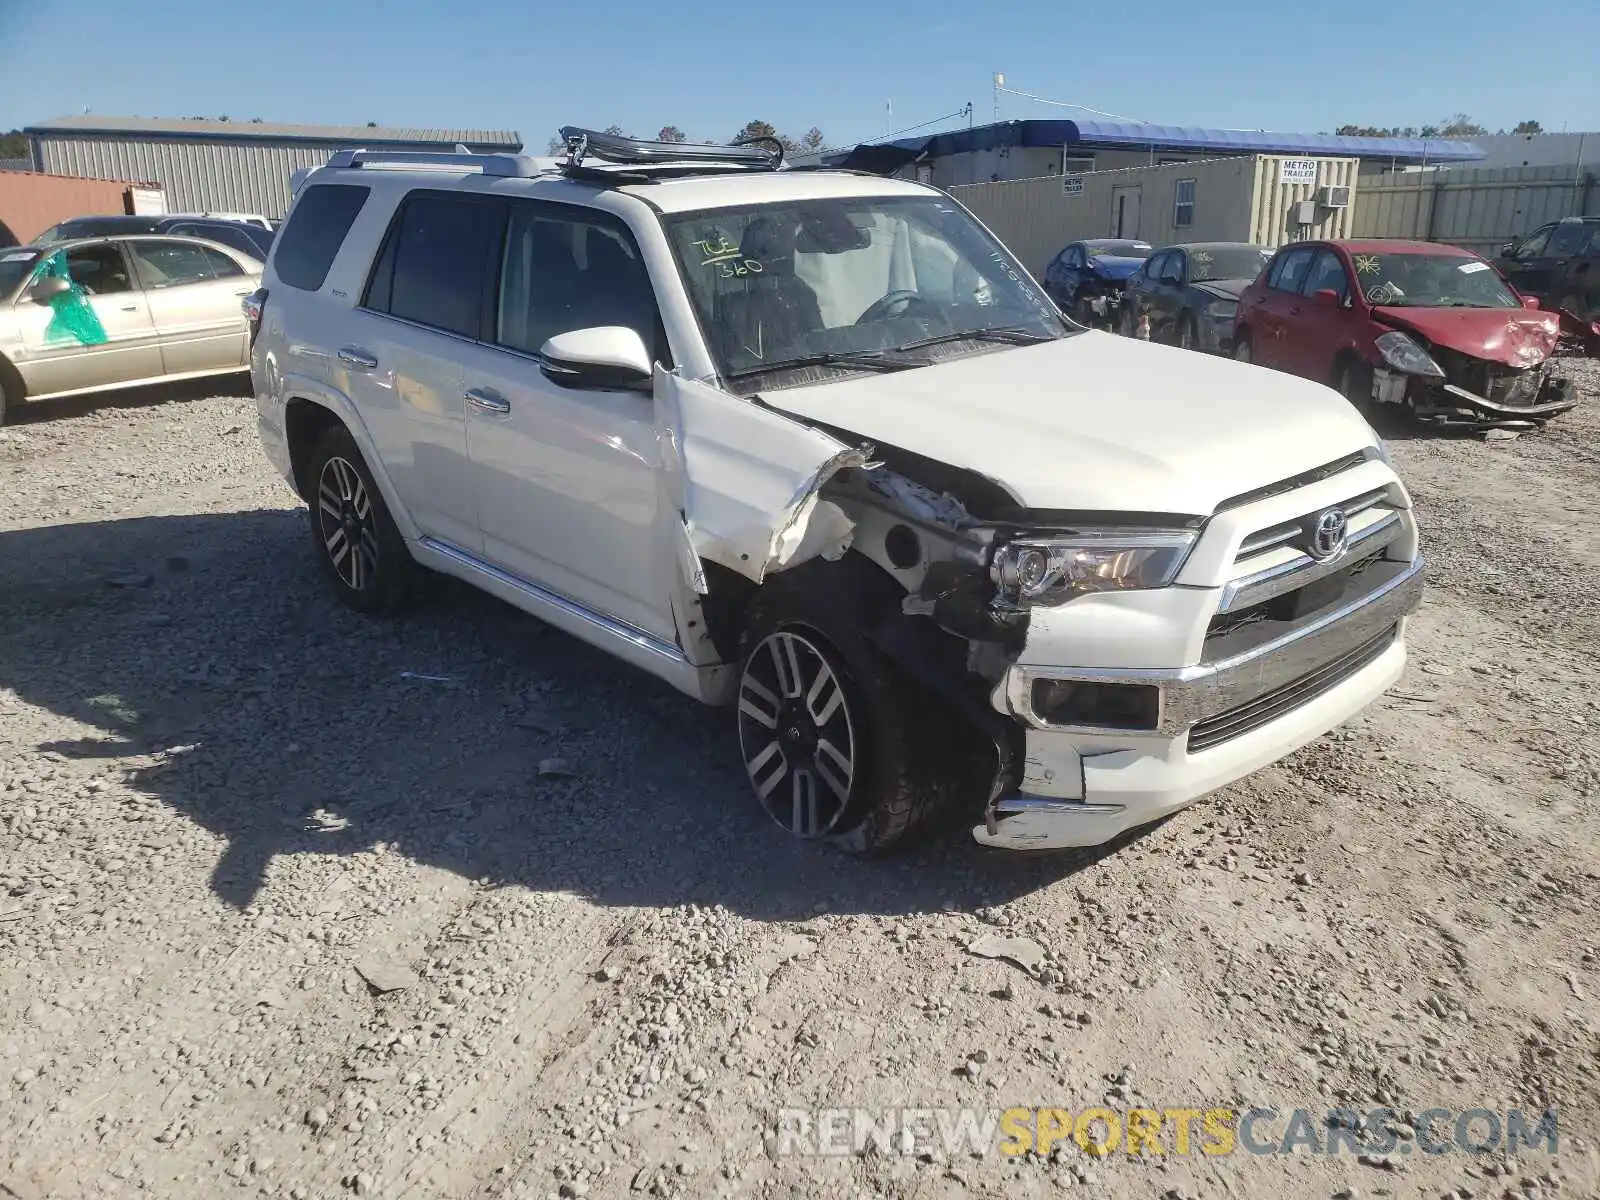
(726, 604)
(11, 380)
(305, 421)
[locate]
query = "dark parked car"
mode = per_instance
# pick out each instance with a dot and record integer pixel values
(236, 235)
(1560, 264)
(1428, 328)
(1191, 292)
(1086, 278)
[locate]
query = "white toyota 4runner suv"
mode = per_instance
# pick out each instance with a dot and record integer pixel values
(814, 445)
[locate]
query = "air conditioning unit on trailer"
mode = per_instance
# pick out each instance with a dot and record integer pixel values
(1334, 197)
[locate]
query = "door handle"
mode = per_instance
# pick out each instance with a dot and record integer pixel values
(130, 308)
(357, 358)
(487, 400)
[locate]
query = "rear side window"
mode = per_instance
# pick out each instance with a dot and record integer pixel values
(435, 262)
(315, 232)
(1568, 240)
(1289, 272)
(165, 264)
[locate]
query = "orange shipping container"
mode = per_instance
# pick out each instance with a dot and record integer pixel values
(30, 203)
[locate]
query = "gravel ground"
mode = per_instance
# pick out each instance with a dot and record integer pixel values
(298, 903)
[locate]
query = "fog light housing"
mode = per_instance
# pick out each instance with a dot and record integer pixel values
(1134, 707)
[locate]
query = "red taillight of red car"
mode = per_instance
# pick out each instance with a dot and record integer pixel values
(254, 305)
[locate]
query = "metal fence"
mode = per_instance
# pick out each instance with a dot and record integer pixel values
(1478, 208)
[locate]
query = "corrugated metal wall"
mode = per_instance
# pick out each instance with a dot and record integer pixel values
(1479, 208)
(199, 176)
(1273, 202)
(30, 204)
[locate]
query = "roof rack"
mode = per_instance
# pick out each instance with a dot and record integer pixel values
(633, 160)
(506, 166)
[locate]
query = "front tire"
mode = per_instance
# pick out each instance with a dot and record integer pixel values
(837, 745)
(358, 546)
(1188, 331)
(1241, 348)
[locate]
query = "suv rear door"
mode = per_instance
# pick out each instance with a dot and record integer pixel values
(566, 478)
(404, 351)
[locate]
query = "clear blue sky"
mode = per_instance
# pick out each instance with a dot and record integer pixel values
(531, 66)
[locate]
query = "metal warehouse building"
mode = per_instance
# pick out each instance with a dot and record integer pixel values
(224, 166)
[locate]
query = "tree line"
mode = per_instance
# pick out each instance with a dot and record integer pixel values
(808, 142)
(1455, 125)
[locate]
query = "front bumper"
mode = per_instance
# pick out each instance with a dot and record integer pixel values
(1437, 402)
(1217, 723)
(1216, 333)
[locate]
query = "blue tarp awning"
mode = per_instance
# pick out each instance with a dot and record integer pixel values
(1128, 135)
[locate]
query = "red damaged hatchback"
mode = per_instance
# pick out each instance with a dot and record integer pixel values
(1426, 327)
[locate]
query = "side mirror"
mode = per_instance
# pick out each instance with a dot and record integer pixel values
(1326, 296)
(604, 357)
(48, 289)
(1509, 250)
(1530, 302)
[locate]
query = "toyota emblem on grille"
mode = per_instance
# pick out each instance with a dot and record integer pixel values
(1329, 532)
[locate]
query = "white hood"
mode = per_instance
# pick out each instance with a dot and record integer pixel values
(1097, 422)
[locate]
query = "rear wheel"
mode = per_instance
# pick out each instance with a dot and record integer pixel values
(358, 545)
(837, 745)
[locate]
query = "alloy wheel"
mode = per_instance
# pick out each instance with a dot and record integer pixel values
(797, 734)
(346, 521)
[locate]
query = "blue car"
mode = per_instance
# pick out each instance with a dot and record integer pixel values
(1086, 278)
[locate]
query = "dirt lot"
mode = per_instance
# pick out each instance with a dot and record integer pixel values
(287, 904)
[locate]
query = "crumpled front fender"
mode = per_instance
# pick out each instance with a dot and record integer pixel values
(744, 481)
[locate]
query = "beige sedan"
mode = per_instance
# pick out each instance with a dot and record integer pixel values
(99, 313)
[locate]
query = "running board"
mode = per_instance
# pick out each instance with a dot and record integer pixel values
(630, 635)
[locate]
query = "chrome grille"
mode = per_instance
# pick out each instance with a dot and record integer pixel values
(1269, 706)
(1272, 562)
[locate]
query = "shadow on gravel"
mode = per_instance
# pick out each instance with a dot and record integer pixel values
(33, 412)
(287, 725)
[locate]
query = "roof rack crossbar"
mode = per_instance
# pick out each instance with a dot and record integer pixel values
(635, 152)
(506, 166)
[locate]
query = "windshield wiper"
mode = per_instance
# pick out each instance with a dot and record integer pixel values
(1012, 336)
(870, 360)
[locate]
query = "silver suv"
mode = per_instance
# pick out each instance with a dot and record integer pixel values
(813, 444)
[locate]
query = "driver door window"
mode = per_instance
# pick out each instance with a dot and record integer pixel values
(99, 270)
(1327, 273)
(1534, 246)
(1172, 270)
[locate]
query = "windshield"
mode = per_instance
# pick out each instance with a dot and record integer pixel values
(1431, 281)
(14, 268)
(784, 283)
(1231, 262)
(1119, 249)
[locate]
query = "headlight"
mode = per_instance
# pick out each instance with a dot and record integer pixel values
(1221, 309)
(1052, 570)
(1403, 354)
